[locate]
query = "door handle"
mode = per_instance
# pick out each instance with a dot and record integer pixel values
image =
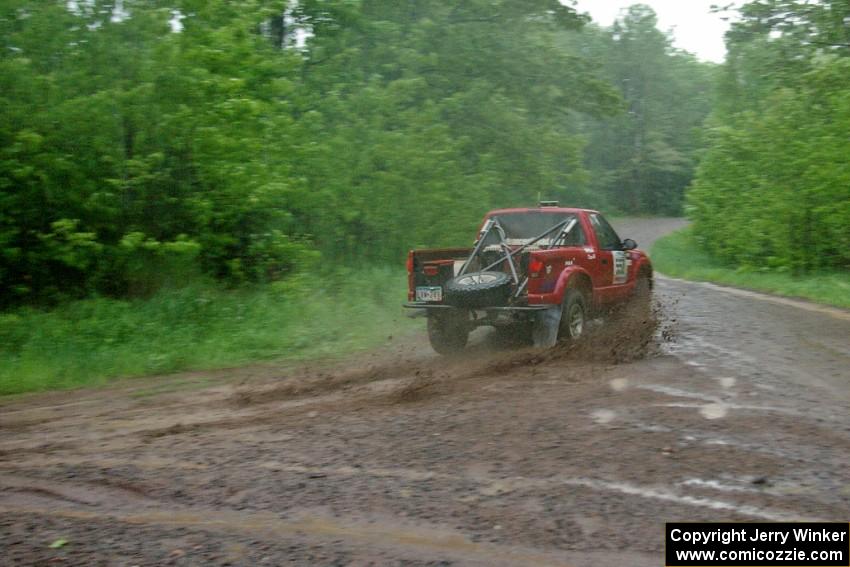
(604, 261)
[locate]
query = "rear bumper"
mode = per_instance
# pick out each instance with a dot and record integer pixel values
(442, 307)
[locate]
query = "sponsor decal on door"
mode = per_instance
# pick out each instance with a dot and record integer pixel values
(621, 272)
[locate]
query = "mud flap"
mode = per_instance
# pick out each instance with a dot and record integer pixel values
(546, 326)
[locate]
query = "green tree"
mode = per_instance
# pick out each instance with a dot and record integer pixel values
(425, 114)
(773, 191)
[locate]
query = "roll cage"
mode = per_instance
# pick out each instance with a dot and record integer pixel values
(562, 229)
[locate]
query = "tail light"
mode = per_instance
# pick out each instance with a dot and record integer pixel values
(410, 262)
(535, 268)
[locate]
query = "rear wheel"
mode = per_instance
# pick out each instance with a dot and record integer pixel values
(573, 315)
(448, 334)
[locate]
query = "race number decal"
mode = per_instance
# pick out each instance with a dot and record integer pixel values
(620, 267)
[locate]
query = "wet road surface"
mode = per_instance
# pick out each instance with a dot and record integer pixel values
(730, 406)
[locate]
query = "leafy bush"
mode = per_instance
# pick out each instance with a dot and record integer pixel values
(773, 190)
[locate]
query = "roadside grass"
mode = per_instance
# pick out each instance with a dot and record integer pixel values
(201, 326)
(679, 255)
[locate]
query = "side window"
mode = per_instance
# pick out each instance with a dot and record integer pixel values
(608, 239)
(575, 237)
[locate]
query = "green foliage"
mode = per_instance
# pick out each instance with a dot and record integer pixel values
(774, 43)
(59, 543)
(134, 155)
(643, 158)
(125, 146)
(773, 189)
(88, 341)
(680, 255)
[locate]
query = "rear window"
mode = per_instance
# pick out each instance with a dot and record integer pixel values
(522, 227)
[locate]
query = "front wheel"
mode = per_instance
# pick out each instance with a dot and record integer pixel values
(447, 334)
(573, 316)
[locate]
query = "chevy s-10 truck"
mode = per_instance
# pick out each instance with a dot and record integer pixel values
(541, 272)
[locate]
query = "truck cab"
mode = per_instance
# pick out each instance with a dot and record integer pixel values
(527, 268)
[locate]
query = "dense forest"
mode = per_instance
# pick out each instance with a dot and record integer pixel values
(143, 143)
(773, 188)
(152, 143)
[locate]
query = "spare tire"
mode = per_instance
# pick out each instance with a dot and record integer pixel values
(479, 289)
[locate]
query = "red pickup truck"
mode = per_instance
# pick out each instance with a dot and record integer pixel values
(538, 271)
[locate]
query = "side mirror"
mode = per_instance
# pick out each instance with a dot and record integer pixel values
(629, 244)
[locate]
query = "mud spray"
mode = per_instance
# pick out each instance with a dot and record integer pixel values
(407, 373)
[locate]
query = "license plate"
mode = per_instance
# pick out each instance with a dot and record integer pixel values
(429, 293)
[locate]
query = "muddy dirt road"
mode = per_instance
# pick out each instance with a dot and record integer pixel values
(734, 406)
